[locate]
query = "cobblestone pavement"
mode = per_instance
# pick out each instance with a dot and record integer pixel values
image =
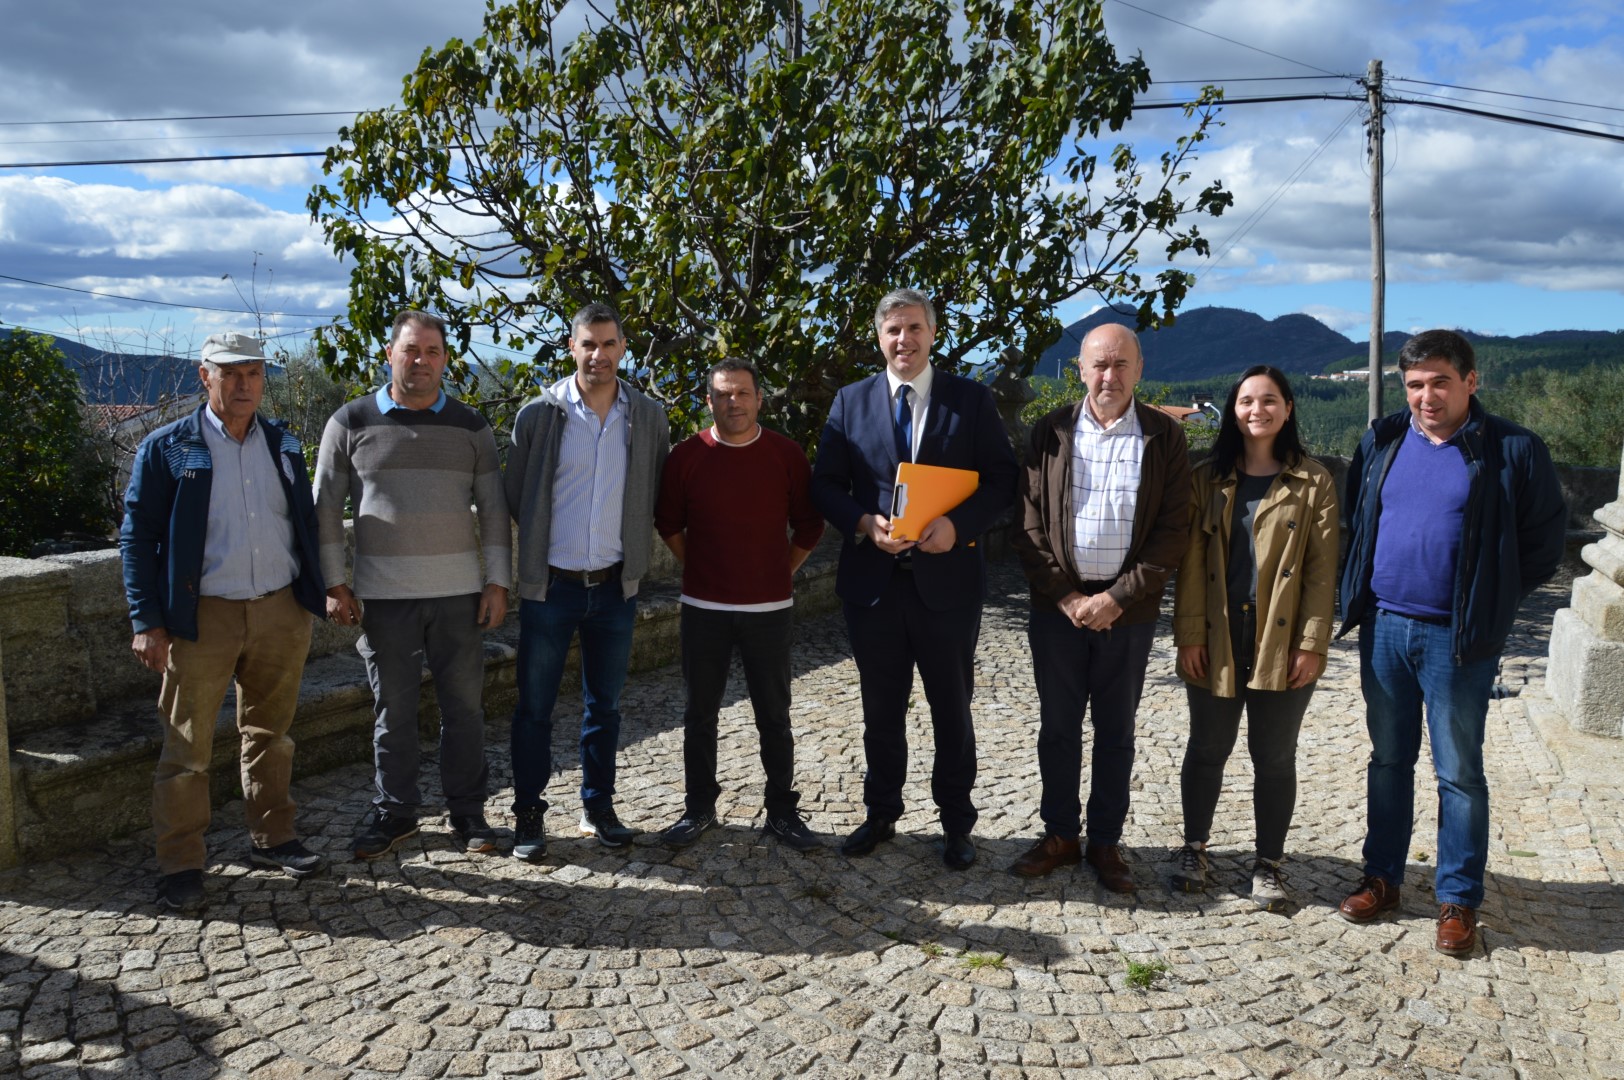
(740, 958)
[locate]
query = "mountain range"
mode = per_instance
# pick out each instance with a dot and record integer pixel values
(1210, 341)
(126, 378)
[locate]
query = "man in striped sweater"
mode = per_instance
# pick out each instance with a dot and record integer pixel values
(410, 461)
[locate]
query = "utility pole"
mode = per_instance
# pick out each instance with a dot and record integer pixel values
(1378, 251)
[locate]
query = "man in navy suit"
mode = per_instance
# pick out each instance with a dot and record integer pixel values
(913, 603)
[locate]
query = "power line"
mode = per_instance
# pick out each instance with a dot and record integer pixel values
(166, 303)
(164, 119)
(1249, 78)
(1507, 93)
(1271, 99)
(1505, 119)
(1231, 41)
(161, 160)
(1529, 112)
(1268, 204)
(167, 138)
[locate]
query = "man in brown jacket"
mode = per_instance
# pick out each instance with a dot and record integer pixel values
(1104, 503)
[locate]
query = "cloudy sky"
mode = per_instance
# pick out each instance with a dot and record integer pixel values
(1492, 227)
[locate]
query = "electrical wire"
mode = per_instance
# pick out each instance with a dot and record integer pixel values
(1232, 41)
(1269, 203)
(1505, 119)
(161, 160)
(1528, 112)
(167, 119)
(1507, 93)
(166, 303)
(168, 138)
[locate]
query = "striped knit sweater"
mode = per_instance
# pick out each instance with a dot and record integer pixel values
(412, 476)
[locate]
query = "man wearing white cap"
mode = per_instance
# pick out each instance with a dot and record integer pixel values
(222, 573)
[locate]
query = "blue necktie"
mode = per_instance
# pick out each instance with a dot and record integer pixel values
(904, 423)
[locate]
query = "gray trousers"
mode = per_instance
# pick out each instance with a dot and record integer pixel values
(401, 637)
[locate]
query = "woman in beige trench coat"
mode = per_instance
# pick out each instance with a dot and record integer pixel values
(1252, 619)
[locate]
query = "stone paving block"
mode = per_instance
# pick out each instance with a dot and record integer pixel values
(737, 958)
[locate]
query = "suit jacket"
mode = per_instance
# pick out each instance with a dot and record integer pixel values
(857, 467)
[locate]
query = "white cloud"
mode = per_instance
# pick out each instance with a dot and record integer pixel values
(1343, 321)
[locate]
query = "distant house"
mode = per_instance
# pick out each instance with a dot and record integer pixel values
(119, 429)
(1198, 413)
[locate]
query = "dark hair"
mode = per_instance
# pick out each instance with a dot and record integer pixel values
(1441, 345)
(733, 363)
(1227, 449)
(595, 313)
(418, 318)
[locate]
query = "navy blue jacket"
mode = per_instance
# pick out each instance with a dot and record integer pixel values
(1512, 538)
(857, 466)
(166, 518)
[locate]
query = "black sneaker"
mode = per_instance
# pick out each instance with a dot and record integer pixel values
(474, 834)
(606, 826)
(292, 858)
(181, 892)
(791, 830)
(690, 828)
(383, 832)
(529, 834)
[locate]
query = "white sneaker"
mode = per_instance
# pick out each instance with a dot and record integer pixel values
(1269, 885)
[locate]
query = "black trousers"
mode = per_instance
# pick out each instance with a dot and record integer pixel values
(888, 640)
(1273, 720)
(1102, 673)
(762, 639)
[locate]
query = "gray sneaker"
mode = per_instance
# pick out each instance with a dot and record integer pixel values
(473, 833)
(791, 831)
(529, 835)
(1269, 885)
(690, 828)
(1191, 876)
(605, 825)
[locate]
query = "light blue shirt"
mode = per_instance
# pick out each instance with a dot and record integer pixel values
(385, 402)
(589, 486)
(248, 550)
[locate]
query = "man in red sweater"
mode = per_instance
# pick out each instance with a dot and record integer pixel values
(735, 509)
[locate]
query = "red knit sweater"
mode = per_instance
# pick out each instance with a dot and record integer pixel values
(736, 504)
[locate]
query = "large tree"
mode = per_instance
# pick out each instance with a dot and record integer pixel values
(750, 176)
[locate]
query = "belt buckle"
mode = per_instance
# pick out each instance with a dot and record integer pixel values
(590, 579)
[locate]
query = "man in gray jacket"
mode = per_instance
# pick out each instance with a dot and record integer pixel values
(581, 481)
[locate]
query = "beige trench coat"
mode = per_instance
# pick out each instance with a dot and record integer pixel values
(1295, 536)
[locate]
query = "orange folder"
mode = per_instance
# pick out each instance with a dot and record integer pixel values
(924, 493)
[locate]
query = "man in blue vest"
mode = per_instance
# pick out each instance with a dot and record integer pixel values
(1454, 517)
(222, 575)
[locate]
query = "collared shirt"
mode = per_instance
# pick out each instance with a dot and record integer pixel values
(1105, 464)
(248, 549)
(589, 485)
(921, 401)
(385, 402)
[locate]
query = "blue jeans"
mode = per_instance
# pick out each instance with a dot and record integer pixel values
(1405, 664)
(604, 619)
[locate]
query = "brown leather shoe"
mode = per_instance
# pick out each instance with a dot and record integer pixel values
(1112, 868)
(1373, 897)
(1046, 856)
(1457, 930)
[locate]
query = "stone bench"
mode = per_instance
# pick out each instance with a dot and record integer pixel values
(83, 730)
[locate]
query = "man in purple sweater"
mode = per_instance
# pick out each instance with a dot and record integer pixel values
(1454, 516)
(736, 511)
